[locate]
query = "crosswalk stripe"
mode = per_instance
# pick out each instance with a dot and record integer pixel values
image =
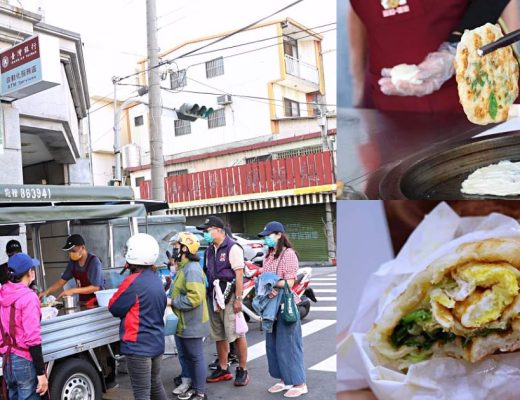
(324, 284)
(328, 365)
(318, 308)
(324, 290)
(326, 298)
(258, 350)
(323, 279)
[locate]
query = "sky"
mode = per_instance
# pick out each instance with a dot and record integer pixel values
(114, 31)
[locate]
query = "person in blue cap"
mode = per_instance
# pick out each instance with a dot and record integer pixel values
(21, 348)
(284, 344)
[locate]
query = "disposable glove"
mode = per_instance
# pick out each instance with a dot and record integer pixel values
(436, 69)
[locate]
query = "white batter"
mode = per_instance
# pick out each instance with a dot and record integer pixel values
(405, 72)
(502, 179)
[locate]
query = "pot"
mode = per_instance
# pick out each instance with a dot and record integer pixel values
(69, 302)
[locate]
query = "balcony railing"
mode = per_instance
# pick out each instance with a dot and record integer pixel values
(300, 69)
(266, 176)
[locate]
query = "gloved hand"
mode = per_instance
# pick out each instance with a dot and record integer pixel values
(436, 69)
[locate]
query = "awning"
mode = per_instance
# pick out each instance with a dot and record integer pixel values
(31, 214)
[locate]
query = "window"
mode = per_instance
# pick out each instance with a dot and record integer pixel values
(178, 172)
(182, 127)
(215, 67)
(178, 79)
(139, 180)
(217, 118)
(256, 159)
(139, 120)
(313, 107)
(290, 47)
(291, 108)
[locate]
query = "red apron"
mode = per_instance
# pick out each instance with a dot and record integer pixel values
(81, 277)
(405, 35)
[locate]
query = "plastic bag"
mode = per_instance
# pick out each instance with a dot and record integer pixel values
(241, 327)
(170, 322)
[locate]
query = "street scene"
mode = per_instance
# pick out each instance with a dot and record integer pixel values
(319, 332)
(167, 199)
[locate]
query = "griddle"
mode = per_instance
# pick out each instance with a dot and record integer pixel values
(438, 173)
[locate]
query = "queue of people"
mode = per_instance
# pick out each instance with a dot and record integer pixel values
(205, 301)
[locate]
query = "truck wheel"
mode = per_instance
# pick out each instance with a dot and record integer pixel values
(75, 379)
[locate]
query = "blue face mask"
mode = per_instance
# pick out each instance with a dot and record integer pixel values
(208, 238)
(270, 242)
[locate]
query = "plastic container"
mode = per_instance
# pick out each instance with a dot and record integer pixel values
(103, 296)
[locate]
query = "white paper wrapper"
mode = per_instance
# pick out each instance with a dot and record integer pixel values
(438, 234)
(49, 313)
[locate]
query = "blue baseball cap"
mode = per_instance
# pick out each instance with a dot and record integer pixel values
(273, 226)
(21, 263)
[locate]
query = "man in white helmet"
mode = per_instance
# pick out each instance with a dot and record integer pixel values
(140, 302)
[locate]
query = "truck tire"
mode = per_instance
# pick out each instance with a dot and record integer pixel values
(75, 379)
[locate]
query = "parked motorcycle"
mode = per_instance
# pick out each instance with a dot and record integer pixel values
(300, 287)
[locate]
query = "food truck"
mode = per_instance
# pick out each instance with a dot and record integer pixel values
(80, 345)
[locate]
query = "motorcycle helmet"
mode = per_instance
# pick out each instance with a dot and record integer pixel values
(189, 240)
(141, 249)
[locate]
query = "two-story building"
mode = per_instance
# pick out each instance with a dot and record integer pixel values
(43, 140)
(264, 153)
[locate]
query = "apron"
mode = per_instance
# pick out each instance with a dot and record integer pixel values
(81, 277)
(404, 32)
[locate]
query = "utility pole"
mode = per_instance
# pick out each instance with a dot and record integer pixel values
(154, 96)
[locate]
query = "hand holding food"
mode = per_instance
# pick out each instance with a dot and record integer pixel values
(419, 80)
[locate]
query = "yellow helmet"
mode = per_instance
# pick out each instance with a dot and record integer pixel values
(189, 240)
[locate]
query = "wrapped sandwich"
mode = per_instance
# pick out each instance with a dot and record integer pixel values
(465, 304)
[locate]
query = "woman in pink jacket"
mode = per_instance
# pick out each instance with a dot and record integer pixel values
(21, 348)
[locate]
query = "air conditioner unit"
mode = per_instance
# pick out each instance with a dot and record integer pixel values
(224, 99)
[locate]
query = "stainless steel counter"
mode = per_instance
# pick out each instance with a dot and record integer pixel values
(77, 330)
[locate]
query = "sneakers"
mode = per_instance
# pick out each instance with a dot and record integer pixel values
(232, 359)
(188, 395)
(219, 375)
(177, 380)
(242, 377)
(183, 387)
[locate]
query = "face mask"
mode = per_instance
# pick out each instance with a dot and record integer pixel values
(75, 256)
(208, 238)
(175, 253)
(270, 241)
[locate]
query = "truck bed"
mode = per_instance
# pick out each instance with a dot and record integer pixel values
(77, 330)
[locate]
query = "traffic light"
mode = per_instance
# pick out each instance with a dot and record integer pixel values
(190, 112)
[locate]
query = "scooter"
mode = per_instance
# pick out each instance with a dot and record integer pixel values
(300, 287)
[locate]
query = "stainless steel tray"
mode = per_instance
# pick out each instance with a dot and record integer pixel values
(437, 174)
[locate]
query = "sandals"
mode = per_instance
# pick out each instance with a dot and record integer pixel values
(279, 387)
(296, 391)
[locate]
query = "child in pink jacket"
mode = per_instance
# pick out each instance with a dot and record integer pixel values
(20, 340)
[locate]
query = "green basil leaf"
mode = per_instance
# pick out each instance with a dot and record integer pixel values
(493, 105)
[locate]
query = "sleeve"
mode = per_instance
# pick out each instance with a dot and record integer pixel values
(31, 314)
(95, 273)
(195, 291)
(236, 257)
(67, 274)
(477, 14)
(290, 264)
(124, 298)
(37, 357)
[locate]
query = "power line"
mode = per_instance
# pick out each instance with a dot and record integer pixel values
(265, 39)
(243, 96)
(211, 43)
